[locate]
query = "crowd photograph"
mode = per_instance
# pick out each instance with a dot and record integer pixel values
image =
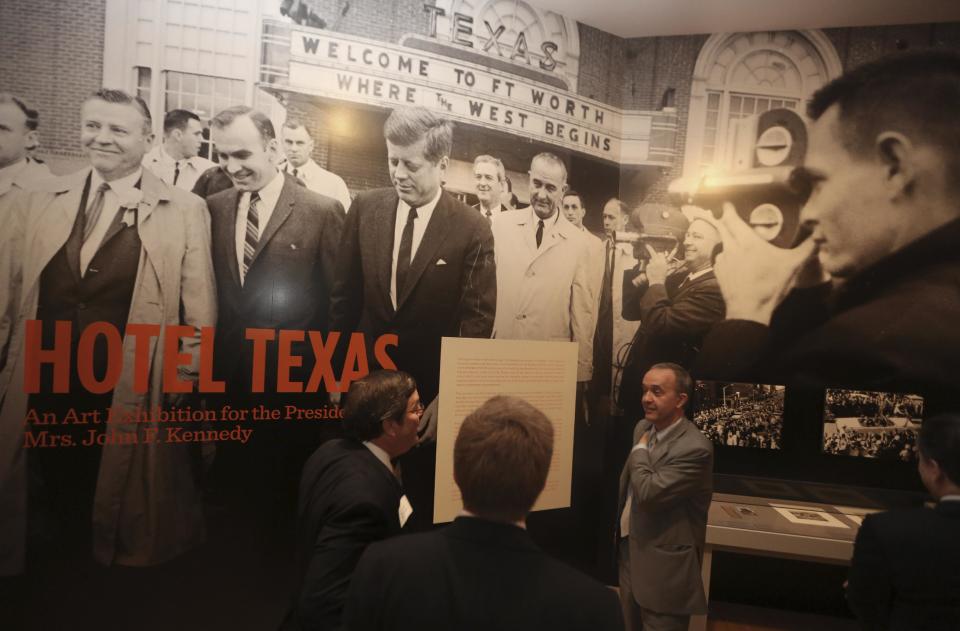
(740, 414)
(872, 424)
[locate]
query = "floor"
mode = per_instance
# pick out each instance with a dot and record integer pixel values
(730, 617)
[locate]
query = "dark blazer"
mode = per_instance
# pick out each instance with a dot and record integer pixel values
(348, 499)
(890, 328)
(674, 319)
(474, 574)
(288, 284)
(905, 573)
(451, 287)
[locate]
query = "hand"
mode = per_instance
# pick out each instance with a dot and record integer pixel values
(755, 276)
(640, 279)
(644, 439)
(657, 268)
(428, 422)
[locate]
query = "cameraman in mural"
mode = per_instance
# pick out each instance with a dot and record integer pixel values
(672, 292)
(882, 167)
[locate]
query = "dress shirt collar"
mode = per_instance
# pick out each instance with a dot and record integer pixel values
(381, 455)
(120, 187)
(423, 212)
(662, 434)
(695, 275)
(950, 498)
(270, 193)
(548, 223)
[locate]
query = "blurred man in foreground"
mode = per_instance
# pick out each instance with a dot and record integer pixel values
(350, 495)
(483, 571)
(904, 570)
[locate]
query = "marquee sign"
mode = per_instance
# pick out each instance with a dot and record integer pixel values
(360, 70)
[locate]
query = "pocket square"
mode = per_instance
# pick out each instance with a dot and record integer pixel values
(441, 262)
(293, 246)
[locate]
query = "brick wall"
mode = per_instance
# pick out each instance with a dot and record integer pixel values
(51, 54)
(384, 20)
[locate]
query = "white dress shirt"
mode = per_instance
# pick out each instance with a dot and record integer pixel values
(269, 195)
(164, 167)
(119, 189)
(319, 180)
(419, 227)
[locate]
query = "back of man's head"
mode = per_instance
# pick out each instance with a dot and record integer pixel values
(940, 442)
(916, 94)
(501, 458)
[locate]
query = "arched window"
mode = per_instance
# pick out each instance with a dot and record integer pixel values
(740, 74)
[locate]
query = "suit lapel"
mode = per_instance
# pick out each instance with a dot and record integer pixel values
(226, 231)
(56, 223)
(150, 229)
(280, 213)
(551, 240)
(433, 238)
(687, 286)
(662, 449)
(386, 219)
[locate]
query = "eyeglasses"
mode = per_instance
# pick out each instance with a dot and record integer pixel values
(417, 409)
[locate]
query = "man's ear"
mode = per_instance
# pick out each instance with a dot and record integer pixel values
(899, 157)
(273, 149)
(32, 139)
(389, 427)
(683, 401)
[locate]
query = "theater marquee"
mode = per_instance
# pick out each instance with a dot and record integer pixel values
(360, 70)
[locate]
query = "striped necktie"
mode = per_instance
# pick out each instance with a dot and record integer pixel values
(253, 232)
(94, 210)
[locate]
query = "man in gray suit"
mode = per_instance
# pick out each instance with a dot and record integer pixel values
(665, 490)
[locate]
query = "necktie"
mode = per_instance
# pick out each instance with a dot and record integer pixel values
(490, 216)
(176, 172)
(253, 232)
(608, 264)
(539, 233)
(94, 210)
(406, 248)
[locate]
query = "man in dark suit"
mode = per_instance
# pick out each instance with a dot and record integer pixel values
(904, 575)
(677, 302)
(665, 491)
(483, 571)
(274, 246)
(350, 495)
(417, 263)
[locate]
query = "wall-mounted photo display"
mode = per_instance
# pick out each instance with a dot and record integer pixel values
(868, 424)
(740, 414)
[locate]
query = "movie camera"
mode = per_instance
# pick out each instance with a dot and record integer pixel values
(761, 179)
